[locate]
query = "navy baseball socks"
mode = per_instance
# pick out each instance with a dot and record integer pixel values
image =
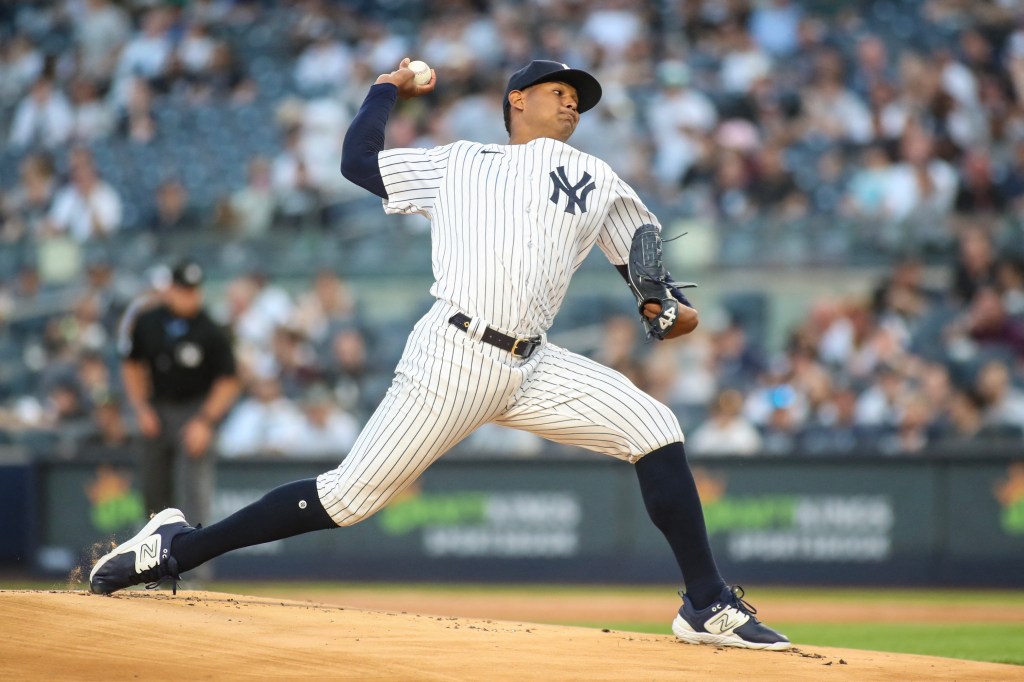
(168, 546)
(712, 612)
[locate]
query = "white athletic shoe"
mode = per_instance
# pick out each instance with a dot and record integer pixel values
(729, 621)
(146, 558)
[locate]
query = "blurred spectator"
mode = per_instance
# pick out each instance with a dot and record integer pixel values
(611, 134)
(829, 182)
(194, 51)
(93, 376)
(92, 120)
(872, 66)
(695, 383)
(677, 116)
(614, 25)
(172, 212)
(250, 210)
(989, 325)
(867, 189)
(920, 185)
(326, 431)
(478, 116)
(297, 196)
(111, 291)
(21, 65)
(325, 310)
(773, 392)
(738, 362)
(902, 300)
(137, 122)
(260, 423)
(313, 19)
(261, 307)
(743, 61)
(834, 429)
(726, 432)
(324, 64)
(82, 328)
(44, 117)
(935, 383)
(882, 403)
(965, 418)
(350, 370)
(918, 86)
(1012, 181)
(223, 79)
(101, 29)
(26, 206)
(1010, 283)
(87, 207)
(976, 263)
(110, 428)
(733, 183)
(60, 407)
(148, 54)
(780, 436)
(1003, 403)
(913, 432)
(774, 25)
(294, 361)
(774, 186)
(620, 340)
(978, 53)
(831, 110)
(978, 191)
(321, 132)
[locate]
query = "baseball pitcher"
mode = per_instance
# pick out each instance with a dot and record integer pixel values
(510, 224)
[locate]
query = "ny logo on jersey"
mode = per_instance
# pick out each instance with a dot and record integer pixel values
(574, 197)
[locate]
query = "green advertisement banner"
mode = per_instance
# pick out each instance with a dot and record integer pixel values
(985, 510)
(774, 511)
(773, 520)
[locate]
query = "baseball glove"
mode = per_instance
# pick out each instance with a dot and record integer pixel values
(651, 283)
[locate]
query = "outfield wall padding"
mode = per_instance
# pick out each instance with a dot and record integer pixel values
(850, 521)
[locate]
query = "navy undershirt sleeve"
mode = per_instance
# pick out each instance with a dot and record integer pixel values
(365, 139)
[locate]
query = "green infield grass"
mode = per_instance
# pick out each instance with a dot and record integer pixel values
(993, 642)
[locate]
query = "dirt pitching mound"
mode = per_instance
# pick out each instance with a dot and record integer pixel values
(153, 635)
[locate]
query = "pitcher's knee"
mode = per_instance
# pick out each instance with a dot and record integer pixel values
(346, 502)
(663, 430)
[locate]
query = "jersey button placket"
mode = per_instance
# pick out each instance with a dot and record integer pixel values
(530, 224)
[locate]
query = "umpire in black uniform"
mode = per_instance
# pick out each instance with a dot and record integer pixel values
(179, 374)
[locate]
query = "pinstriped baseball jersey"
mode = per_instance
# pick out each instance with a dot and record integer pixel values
(512, 223)
(509, 226)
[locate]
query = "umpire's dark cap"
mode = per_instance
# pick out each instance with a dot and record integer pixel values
(588, 90)
(187, 273)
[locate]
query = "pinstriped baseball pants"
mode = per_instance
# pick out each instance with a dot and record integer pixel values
(447, 384)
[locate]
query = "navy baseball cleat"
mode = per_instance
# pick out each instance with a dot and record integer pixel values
(729, 621)
(146, 558)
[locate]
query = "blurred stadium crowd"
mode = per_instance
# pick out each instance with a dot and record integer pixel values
(883, 134)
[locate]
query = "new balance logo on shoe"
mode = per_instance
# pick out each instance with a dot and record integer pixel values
(726, 621)
(730, 622)
(148, 554)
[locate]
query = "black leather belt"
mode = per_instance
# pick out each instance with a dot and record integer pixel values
(519, 347)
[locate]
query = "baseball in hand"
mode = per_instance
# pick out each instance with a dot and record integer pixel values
(421, 71)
